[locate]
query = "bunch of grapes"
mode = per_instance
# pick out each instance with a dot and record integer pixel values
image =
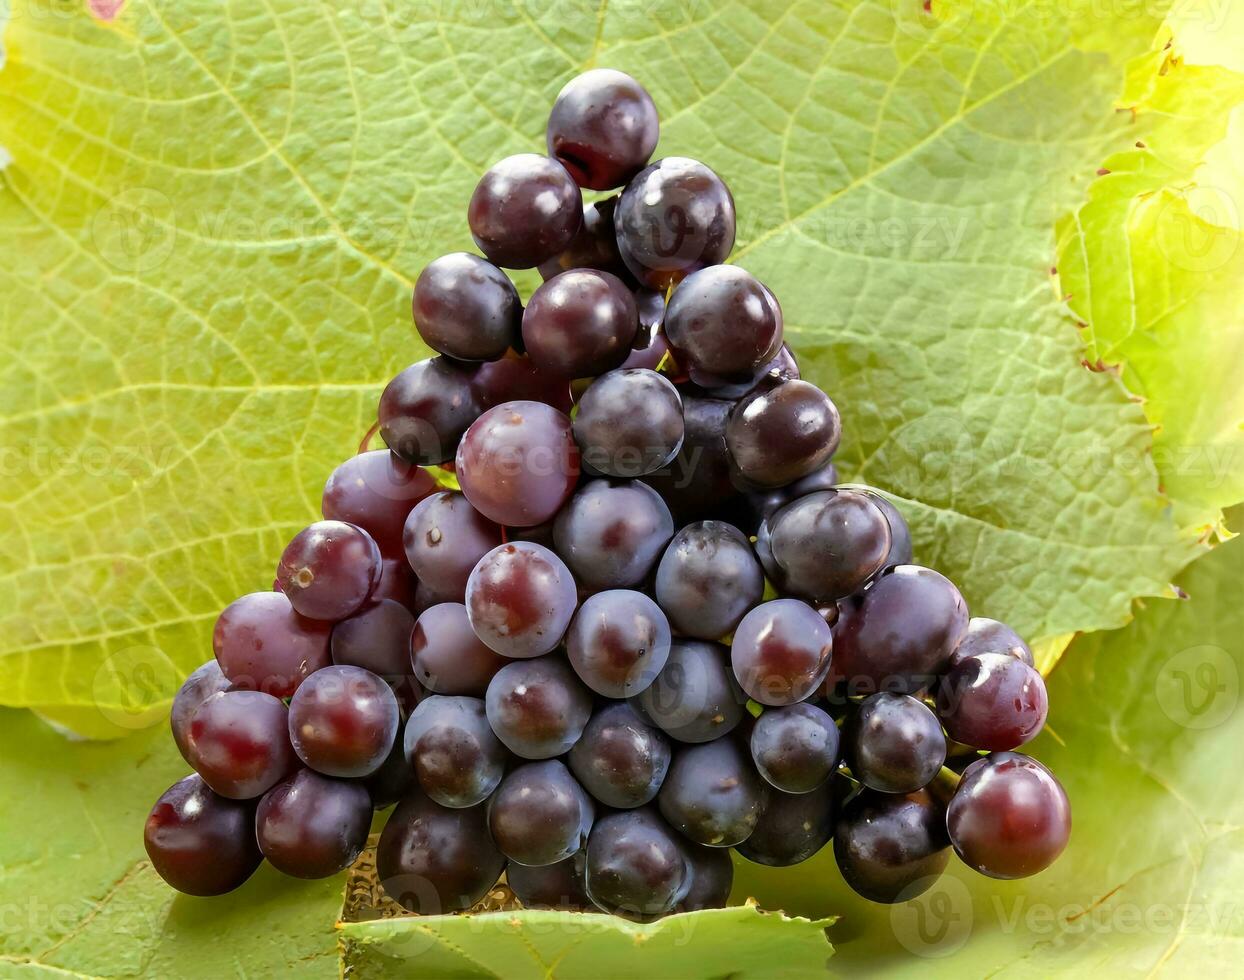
(650, 627)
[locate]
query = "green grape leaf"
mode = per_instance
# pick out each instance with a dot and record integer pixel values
(79, 898)
(1154, 266)
(1143, 723)
(214, 212)
(737, 942)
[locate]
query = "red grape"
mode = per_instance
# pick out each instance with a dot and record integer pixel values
(525, 210)
(447, 656)
(520, 599)
(780, 651)
(343, 721)
(376, 490)
(329, 570)
(603, 128)
(518, 463)
(310, 826)
(434, 860)
(262, 644)
(200, 842)
(1009, 817)
(239, 743)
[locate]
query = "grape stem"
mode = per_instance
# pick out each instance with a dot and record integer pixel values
(368, 437)
(948, 776)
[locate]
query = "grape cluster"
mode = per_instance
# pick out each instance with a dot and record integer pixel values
(651, 626)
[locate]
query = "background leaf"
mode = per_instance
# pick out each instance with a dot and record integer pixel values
(214, 213)
(208, 230)
(78, 896)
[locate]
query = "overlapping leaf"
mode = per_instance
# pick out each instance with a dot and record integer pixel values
(1153, 263)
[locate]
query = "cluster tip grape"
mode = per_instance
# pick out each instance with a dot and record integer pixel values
(651, 627)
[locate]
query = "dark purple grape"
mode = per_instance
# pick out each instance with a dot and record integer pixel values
(515, 378)
(826, 478)
(618, 642)
(452, 750)
(310, 826)
(376, 491)
(611, 533)
(580, 323)
(397, 581)
(894, 743)
(898, 636)
(792, 828)
(263, 645)
(239, 743)
(778, 435)
(466, 308)
(900, 534)
(525, 210)
(708, 579)
(446, 655)
(539, 814)
(723, 325)
(424, 411)
(445, 537)
(343, 721)
(595, 246)
(1009, 817)
(675, 217)
(712, 877)
(433, 860)
(207, 679)
(426, 597)
(780, 651)
(554, 886)
(636, 865)
(765, 503)
(538, 708)
(891, 848)
(795, 748)
(200, 842)
(712, 794)
(329, 570)
(520, 599)
(629, 423)
(992, 701)
(650, 346)
(620, 759)
(603, 128)
(782, 367)
(989, 636)
(697, 484)
(393, 780)
(695, 698)
(518, 463)
(377, 638)
(826, 545)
